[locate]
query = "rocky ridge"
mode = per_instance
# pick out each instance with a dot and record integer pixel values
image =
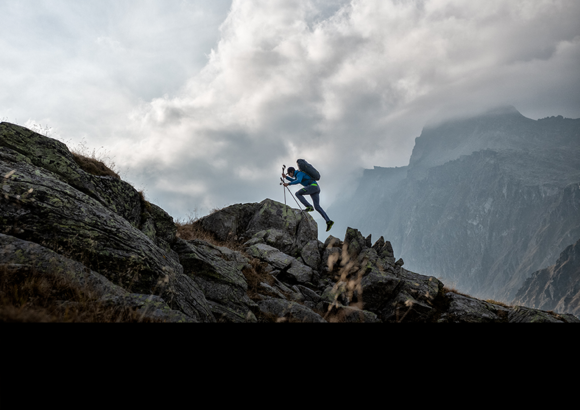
(556, 287)
(484, 202)
(103, 237)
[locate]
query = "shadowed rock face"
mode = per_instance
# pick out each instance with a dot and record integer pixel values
(100, 234)
(483, 203)
(556, 287)
(19, 255)
(62, 208)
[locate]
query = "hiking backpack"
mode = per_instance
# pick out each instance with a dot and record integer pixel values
(308, 169)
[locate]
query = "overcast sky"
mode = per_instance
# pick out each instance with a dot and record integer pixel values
(201, 102)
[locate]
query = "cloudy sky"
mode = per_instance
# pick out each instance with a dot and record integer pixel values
(201, 102)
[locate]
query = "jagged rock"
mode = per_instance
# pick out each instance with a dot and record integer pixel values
(310, 254)
(239, 261)
(49, 200)
(464, 309)
(276, 216)
(414, 300)
(62, 218)
(54, 156)
(292, 293)
(377, 289)
(368, 241)
(556, 287)
(271, 255)
(354, 242)
(331, 258)
(289, 311)
(425, 288)
(309, 294)
(223, 285)
(272, 290)
(290, 268)
(275, 238)
(379, 245)
(186, 295)
(148, 226)
(335, 295)
(405, 308)
(332, 242)
(165, 228)
(297, 273)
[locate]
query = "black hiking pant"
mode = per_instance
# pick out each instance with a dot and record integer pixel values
(314, 192)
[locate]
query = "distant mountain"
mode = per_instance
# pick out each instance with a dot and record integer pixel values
(484, 202)
(556, 287)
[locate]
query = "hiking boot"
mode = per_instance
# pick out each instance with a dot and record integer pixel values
(329, 225)
(309, 209)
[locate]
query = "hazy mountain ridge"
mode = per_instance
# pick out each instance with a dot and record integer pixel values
(556, 287)
(486, 200)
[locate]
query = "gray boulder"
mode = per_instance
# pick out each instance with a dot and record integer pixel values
(275, 238)
(269, 222)
(311, 255)
(222, 283)
(290, 268)
(272, 215)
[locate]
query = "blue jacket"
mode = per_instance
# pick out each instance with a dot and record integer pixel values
(300, 178)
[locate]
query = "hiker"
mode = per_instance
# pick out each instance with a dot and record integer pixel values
(310, 188)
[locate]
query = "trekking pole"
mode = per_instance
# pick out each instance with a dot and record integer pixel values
(282, 183)
(283, 169)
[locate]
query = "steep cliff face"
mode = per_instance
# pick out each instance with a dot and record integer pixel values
(557, 287)
(484, 203)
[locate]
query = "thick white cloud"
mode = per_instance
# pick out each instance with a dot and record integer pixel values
(83, 66)
(352, 89)
(343, 84)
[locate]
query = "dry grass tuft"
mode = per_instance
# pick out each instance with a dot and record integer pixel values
(256, 274)
(452, 289)
(495, 302)
(94, 166)
(28, 296)
(190, 228)
(94, 163)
